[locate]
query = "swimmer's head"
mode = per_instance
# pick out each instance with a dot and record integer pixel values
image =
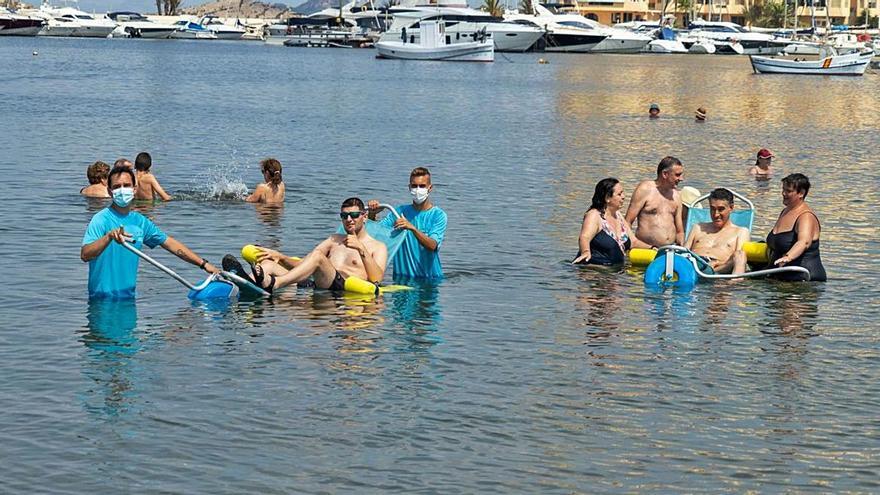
(720, 206)
(123, 162)
(97, 172)
(670, 170)
(794, 186)
(607, 190)
(654, 110)
(271, 169)
(353, 214)
(764, 158)
(143, 161)
(120, 176)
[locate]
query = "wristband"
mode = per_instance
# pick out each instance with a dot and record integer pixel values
(204, 262)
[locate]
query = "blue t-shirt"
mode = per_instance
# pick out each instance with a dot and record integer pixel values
(113, 274)
(413, 259)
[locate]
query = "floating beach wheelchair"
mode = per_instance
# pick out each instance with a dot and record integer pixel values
(682, 268)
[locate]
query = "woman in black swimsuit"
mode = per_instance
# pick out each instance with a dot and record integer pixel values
(794, 240)
(604, 238)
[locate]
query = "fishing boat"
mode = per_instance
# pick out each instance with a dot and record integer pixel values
(830, 63)
(435, 44)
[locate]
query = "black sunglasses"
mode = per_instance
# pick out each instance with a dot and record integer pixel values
(354, 215)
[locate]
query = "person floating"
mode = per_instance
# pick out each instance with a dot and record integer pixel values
(656, 204)
(794, 239)
(605, 234)
(97, 175)
(147, 185)
(654, 111)
(700, 116)
(340, 256)
(425, 228)
(272, 190)
(762, 169)
(112, 268)
(720, 242)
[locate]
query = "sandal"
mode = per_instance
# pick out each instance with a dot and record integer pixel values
(259, 277)
(232, 265)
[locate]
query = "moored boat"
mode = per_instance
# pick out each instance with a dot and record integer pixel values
(435, 44)
(829, 64)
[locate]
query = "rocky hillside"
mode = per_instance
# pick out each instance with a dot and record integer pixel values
(240, 8)
(312, 6)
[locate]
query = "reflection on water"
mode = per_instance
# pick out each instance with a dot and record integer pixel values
(270, 215)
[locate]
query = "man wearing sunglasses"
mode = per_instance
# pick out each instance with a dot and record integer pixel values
(112, 268)
(354, 254)
(424, 226)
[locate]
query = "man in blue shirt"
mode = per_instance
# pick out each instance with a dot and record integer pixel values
(424, 226)
(112, 268)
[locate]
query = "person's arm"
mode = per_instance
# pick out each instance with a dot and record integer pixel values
(180, 250)
(372, 209)
(94, 249)
(589, 229)
(278, 257)
(742, 239)
(161, 192)
(636, 203)
(374, 271)
(807, 226)
(679, 223)
(693, 237)
(425, 240)
(257, 196)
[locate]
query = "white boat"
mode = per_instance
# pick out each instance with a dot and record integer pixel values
(564, 32)
(134, 25)
(12, 24)
(752, 43)
(318, 32)
(461, 21)
(222, 30)
(436, 44)
(666, 42)
(189, 30)
(829, 64)
(701, 46)
(90, 26)
(56, 26)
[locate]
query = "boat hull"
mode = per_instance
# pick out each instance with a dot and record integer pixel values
(620, 45)
(853, 64)
(457, 52)
(665, 46)
(93, 31)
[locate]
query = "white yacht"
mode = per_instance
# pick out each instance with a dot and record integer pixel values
(222, 30)
(616, 40)
(564, 32)
(435, 44)
(460, 24)
(190, 30)
(19, 25)
(90, 26)
(752, 43)
(134, 25)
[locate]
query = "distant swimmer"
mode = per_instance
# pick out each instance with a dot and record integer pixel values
(147, 185)
(720, 242)
(605, 234)
(272, 190)
(700, 116)
(654, 111)
(656, 205)
(97, 175)
(425, 223)
(123, 162)
(762, 169)
(794, 240)
(112, 268)
(340, 256)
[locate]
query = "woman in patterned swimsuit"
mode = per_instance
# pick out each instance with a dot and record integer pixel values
(605, 235)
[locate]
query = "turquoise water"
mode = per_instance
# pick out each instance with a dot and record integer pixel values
(518, 373)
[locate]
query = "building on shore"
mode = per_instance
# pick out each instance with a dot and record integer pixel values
(826, 12)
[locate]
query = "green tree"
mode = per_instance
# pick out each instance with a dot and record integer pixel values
(525, 7)
(494, 7)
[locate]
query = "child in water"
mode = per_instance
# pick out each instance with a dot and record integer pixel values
(97, 174)
(271, 191)
(147, 185)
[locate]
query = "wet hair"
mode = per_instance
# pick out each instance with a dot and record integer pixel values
(667, 163)
(721, 194)
(604, 190)
(420, 172)
(272, 167)
(353, 202)
(122, 162)
(97, 172)
(143, 161)
(799, 182)
(118, 170)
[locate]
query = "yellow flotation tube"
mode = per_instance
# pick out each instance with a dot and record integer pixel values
(757, 252)
(249, 253)
(641, 256)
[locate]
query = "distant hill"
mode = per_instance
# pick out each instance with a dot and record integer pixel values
(240, 8)
(312, 6)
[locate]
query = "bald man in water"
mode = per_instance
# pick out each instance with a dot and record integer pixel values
(656, 204)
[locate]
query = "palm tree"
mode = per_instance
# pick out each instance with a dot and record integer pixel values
(494, 7)
(525, 7)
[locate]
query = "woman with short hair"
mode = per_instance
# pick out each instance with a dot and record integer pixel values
(794, 239)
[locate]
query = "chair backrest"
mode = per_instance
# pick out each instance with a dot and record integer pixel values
(743, 214)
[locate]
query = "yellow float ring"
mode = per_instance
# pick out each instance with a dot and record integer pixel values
(641, 256)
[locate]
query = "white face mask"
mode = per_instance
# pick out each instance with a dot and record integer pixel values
(419, 194)
(123, 196)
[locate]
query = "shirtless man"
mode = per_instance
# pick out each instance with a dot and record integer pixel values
(657, 206)
(147, 185)
(354, 254)
(720, 241)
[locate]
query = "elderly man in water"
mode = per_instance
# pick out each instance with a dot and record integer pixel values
(720, 242)
(656, 204)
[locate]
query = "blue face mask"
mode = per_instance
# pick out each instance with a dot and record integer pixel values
(123, 196)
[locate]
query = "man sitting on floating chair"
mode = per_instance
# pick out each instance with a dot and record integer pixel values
(720, 242)
(354, 254)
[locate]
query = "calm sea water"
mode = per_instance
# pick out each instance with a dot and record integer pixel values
(518, 373)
